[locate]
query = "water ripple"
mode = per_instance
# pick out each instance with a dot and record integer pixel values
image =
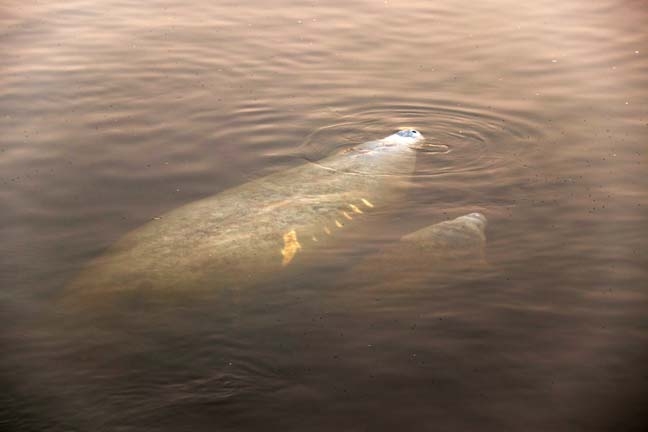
(462, 138)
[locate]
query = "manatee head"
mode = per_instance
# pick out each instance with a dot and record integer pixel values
(405, 136)
(403, 139)
(409, 133)
(392, 155)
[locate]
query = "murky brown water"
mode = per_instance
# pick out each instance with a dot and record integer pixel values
(114, 112)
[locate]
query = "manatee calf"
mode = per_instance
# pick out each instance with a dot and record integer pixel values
(244, 234)
(458, 242)
(461, 239)
(451, 249)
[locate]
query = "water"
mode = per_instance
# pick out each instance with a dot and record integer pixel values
(112, 113)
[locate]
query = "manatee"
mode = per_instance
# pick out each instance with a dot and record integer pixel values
(247, 233)
(459, 239)
(442, 247)
(446, 250)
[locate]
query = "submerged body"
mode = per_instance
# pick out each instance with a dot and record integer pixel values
(461, 239)
(244, 234)
(445, 247)
(442, 253)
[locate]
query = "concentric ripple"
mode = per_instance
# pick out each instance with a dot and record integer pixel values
(458, 138)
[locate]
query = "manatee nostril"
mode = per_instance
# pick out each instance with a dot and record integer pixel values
(408, 133)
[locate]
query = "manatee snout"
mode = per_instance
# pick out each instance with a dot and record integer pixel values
(410, 133)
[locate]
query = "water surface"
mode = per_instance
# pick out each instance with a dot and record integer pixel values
(114, 112)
